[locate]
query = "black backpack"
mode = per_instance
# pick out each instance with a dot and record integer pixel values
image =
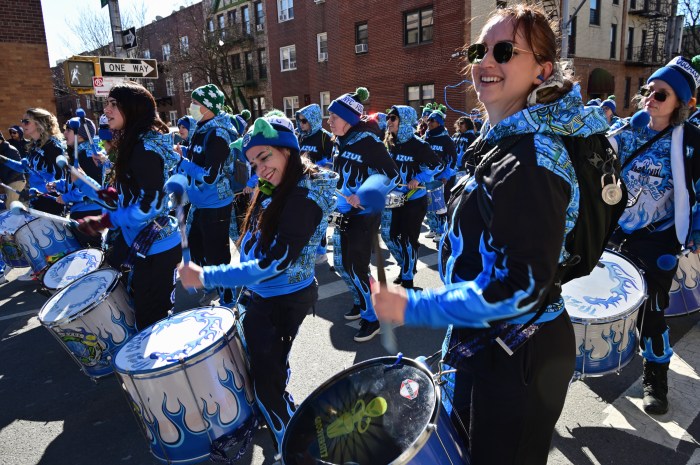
(598, 172)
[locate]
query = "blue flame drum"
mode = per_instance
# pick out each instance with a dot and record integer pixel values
(71, 267)
(186, 378)
(10, 251)
(436, 197)
(685, 290)
(91, 318)
(385, 410)
(44, 241)
(603, 307)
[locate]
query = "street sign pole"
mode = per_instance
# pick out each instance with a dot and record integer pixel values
(116, 22)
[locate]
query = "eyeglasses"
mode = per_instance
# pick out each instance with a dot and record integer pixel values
(502, 52)
(303, 121)
(392, 118)
(13, 132)
(658, 95)
(24, 121)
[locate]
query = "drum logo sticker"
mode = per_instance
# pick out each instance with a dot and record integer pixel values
(361, 415)
(409, 389)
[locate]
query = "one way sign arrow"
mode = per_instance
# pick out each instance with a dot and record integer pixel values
(129, 67)
(129, 38)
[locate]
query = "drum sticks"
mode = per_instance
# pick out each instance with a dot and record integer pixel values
(17, 208)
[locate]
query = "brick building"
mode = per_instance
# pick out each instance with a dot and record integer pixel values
(401, 51)
(25, 78)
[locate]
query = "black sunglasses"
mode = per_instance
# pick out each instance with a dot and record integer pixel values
(24, 121)
(12, 131)
(502, 52)
(392, 118)
(303, 121)
(658, 95)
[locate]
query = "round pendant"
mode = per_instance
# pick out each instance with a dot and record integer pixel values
(612, 194)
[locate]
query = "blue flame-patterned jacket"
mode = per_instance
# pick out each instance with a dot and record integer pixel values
(412, 155)
(317, 143)
(211, 163)
(444, 147)
(77, 192)
(504, 271)
(360, 154)
(462, 140)
(288, 265)
(143, 198)
(42, 161)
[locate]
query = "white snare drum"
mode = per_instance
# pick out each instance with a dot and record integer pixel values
(186, 379)
(43, 241)
(337, 220)
(91, 318)
(603, 307)
(11, 252)
(71, 267)
(395, 200)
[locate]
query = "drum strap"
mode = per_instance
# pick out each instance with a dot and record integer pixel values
(144, 240)
(646, 145)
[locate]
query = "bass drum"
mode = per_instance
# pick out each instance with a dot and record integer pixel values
(685, 290)
(385, 410)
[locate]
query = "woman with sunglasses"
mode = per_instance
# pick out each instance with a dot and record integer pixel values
(417, 165)
(660, 217)
(148, 248)
(508, 336)
(283, 226)
(17, 140)
(41, 127)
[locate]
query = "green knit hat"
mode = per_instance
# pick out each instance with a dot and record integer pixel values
(210, 96)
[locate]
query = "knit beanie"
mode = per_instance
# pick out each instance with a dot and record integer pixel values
(19, 131)
(427, 110)
(594, 102)
(438, 114)
(210, 96)
(84, 128)
(273, 129)
(349, 106)
(682, 75)
(240, 121)
(610, 104)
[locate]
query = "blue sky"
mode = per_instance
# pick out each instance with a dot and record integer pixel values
(62, 41)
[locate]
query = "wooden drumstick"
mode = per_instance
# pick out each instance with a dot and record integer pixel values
(337, 191)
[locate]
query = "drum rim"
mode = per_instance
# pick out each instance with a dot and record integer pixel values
(422, 438)
(616, 317)
(43, 278)
(88, 308)
(186, 361)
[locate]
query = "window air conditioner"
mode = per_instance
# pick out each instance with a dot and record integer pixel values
(361, 48)
(259, 27)
(323, 56)
(284, 16)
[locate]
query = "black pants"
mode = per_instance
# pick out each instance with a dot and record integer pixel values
(355, 253)
(85, 239)
(209, 240)
(644, 249)
(150, 283)
(510, 404)
(47, 205)
(270, 326)
(404, 232)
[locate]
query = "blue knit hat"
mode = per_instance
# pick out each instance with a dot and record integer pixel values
(187, 122)
(610, 104)
(273, 129)
(349, 106)
(19, 131)
(438, 114)
(240, 121)
(681, 75)
(83, 130)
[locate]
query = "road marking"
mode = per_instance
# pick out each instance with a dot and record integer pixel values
(627, 413)
(19, 314)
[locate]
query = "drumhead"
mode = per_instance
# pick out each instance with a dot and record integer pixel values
(71, 267)
(10, 222)
(174, 340)
(372, 412)
(79, 296)
(614, 288)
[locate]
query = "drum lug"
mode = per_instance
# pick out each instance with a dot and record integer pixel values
(431, 427)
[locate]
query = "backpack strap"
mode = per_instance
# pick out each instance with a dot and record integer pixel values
(646, 145)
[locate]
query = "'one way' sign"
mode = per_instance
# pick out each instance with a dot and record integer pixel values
(129, 67)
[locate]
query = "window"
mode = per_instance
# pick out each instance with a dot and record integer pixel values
(166, 52)
(147, 53)
(245, 19)
(231, 18)
(288, 58)
(501, 3)
(630, 43)
(169, 86)
(325, 98)
(77, 103)
(220, 20)
(173, 118)
(643, 52)
(572, 37)
(88, 103)
(184, 44)
(210, 25)
(633, 4)
(187, 82)
(595, 12)
(616, 2)
(236, 61)
(361, 34)
(628, 87)
(613, 40)
(291, 105)
(418, 26)
(419, 95)
(259, 14)
(257, 105)
(262, 63)
(248, 66)
(322, 46)
(285, 10)
(150, 86)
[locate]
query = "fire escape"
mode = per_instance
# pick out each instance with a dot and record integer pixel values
(657, 14)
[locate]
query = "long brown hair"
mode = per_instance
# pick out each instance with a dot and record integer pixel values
(266, 220)
(138, 108)
(46, 123)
